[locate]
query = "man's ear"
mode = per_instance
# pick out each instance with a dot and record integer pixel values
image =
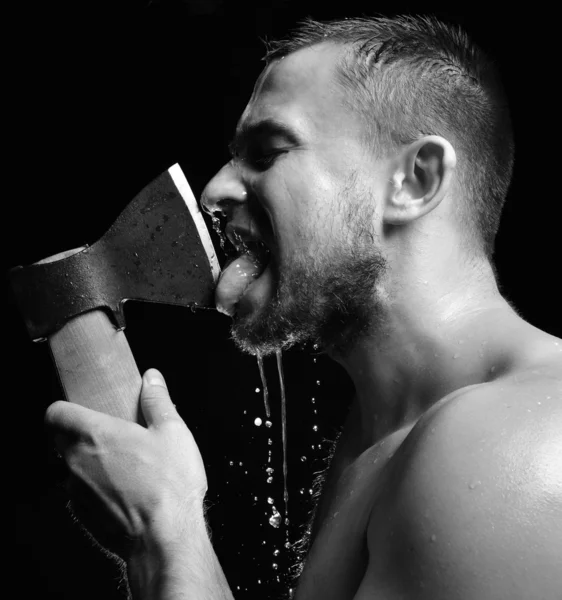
(420, 177)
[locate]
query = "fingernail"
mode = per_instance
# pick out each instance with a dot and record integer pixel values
(154, 379)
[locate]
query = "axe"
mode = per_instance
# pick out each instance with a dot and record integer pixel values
(158, 250)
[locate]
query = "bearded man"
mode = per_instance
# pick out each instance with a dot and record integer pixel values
(367, 179)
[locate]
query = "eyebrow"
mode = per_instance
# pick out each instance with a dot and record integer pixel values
(250, 131)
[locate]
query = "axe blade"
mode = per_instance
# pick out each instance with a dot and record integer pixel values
(158, 250)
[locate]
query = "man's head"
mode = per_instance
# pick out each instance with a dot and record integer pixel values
(408, 77)
(332, 150)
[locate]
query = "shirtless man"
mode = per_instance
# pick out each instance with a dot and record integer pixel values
(367, 177)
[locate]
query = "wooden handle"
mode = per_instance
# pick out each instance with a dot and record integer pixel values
(95, 364)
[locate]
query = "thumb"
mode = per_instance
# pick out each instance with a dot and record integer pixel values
(155, 401)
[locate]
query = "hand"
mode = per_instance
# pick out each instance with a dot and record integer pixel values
(130, 483)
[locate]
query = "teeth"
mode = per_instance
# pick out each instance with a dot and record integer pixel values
(251, 246)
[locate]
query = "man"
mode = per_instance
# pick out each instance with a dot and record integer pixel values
(368, 173)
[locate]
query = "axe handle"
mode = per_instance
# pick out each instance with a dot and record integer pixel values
(95, 364)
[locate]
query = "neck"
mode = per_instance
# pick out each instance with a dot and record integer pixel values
(428, 343)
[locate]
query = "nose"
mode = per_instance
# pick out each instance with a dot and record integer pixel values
(224, 192)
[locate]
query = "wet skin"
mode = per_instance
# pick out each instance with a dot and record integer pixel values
(447, 480)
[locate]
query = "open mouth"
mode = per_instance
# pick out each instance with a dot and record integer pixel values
(255, 250)
(246, 262)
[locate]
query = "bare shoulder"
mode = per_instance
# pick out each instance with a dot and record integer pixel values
(476, 491)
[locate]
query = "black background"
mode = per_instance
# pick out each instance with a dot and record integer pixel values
(101, 98)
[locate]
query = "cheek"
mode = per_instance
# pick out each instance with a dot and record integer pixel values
(300, 201)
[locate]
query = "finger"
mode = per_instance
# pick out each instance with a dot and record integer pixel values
(77, 421)
(157, 407)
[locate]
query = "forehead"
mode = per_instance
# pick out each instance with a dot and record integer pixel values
(301, 89)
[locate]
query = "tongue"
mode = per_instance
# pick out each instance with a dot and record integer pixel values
(234, 280)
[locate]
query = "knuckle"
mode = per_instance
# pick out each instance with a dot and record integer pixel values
(175, 425)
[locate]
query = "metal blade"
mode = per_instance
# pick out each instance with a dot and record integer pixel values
(157, 250)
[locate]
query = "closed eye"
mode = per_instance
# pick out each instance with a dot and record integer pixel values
(264, 160)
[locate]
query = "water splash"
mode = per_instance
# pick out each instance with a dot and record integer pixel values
(264, 385)
(218, 230)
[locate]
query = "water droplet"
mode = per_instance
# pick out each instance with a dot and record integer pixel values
(315, 427)
(231, 463)
(313, 360)
(275, 519)
(240, 463)
(310, 491)
(313, 400)
(269, 442)
(275, 566)
(268, 423)
(270, 500)
(317, 382)
(276, 552)
(301, 490)
(257, 421)
(258, 390)
(269, 470)
(270, 480)
(303, 458)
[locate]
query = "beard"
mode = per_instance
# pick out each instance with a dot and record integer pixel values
(329, 301)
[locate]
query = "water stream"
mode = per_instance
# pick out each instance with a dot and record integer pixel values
(264, 385)
(275, 518)
(283, 432)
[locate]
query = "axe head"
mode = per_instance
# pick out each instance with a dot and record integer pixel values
(158, 250)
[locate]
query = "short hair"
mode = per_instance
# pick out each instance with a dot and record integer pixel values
(412, 76)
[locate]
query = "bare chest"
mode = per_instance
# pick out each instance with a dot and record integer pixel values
(338, 556)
